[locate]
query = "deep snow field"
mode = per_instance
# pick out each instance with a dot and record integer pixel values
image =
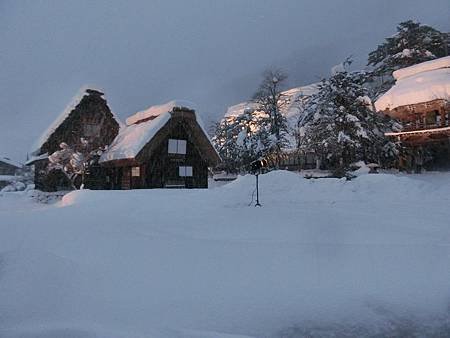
(321, 258)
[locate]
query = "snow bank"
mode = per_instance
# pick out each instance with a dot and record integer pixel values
(155, 111)
(199, 263)
(421, 87)
(427, 66)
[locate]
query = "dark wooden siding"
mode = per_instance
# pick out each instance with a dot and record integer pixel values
(162, 168)
(7, 169)
(90, 119)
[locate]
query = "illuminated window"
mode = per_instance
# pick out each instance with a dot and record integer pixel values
(135, 171)
(185, 171)
(177, 146)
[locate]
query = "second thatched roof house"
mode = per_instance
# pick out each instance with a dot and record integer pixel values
(162, 147)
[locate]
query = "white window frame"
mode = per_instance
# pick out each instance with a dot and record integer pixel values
(185, 171)
(177, 146)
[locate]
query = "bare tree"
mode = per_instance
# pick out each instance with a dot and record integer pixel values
(269, 99)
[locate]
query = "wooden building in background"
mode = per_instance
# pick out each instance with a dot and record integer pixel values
(420, 99)
(162, 147)
(8, 166)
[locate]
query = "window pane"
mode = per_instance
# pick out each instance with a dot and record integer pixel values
(189, 171)
(182, 171)
(182, 147)
(185, 171)
(135, 171)
(172, 149)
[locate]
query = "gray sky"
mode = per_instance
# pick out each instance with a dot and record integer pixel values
(148, 52)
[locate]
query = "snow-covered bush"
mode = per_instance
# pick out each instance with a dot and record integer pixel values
(14, 186)
(74, 163)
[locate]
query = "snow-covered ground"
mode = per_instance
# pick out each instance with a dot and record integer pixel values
(321, 257)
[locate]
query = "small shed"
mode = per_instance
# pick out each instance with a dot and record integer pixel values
(8, 166)
(164, 146)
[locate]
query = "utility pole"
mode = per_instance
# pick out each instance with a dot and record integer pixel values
(257, 191)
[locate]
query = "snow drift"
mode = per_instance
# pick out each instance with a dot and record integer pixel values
(327, 253)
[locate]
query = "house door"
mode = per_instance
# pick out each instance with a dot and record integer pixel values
(172, 177)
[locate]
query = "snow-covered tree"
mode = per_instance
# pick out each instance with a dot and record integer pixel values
(242, 139)
(74, 163)
(413, 43)
(341, 126)
(268, 98)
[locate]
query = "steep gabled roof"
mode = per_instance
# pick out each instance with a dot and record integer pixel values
(143, 126)
(424, 82)
(85, 90)
(133, 138)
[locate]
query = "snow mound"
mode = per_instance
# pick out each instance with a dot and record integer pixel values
(427, 66)
(195, 263)
(155, 111)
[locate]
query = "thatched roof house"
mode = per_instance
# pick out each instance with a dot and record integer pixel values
(87, 116)
(161, 147)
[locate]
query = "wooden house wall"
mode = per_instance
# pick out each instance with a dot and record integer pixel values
(161, 169)
(7, 169)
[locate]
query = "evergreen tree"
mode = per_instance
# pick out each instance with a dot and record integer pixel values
(413, 43)
(341, 127)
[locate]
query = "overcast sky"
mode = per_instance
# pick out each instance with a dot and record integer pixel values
(148, 52)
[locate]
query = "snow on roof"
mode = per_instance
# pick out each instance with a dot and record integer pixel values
(422, 67)
(63, 115)
(155, 111)
(142, 127)
(7, 160)
(132, 138)
(423, 86)
(35, 158)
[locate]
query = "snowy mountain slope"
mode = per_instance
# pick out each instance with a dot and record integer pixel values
(192, 263)
(292, 104)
